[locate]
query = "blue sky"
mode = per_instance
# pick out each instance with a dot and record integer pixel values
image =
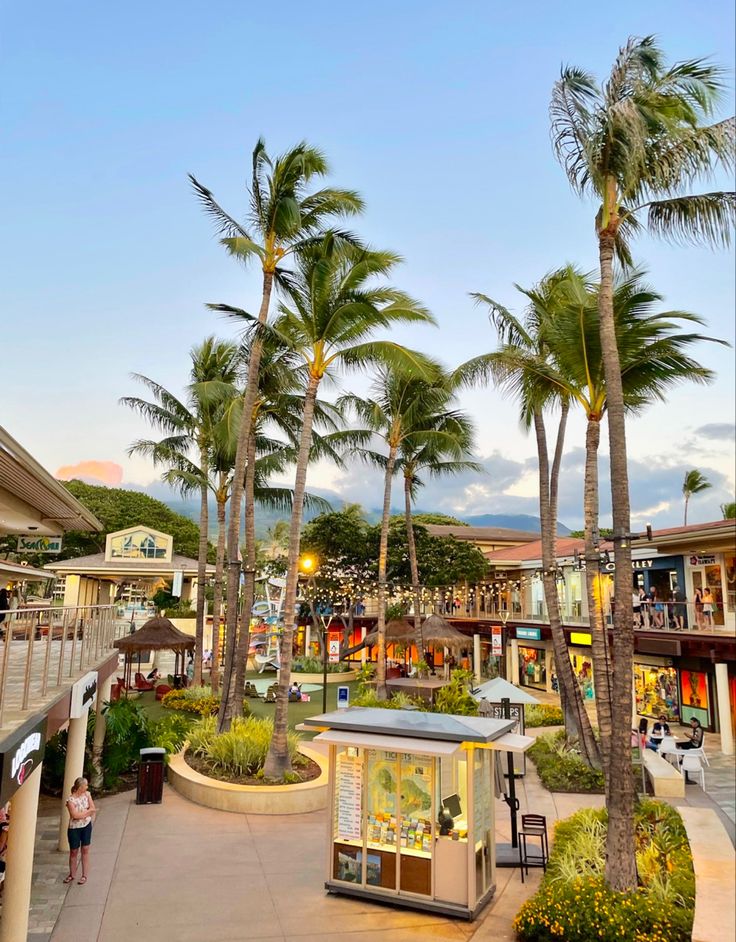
(435, 112)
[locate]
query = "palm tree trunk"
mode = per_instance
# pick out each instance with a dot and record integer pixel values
(249, 582)
(236, 502)
(413, 565)
(382, 566)
(217, 595)
(577, 721)
(687, 498)
(598, 629)
(620, 858)
(204, 521)
(277, 761)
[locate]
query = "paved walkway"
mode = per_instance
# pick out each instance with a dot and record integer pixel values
(180, 870)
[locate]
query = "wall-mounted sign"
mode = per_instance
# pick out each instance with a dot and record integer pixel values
(496, 640)
(33, 543)
(529, 634)
(83, 695)
(610, 566)
(581, 637)
(334, 650)
(22, 754)
(708, 560)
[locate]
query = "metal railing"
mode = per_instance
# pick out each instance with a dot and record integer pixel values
(43, 649)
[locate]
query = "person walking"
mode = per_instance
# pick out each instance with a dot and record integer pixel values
(82, 813)
(698, 601)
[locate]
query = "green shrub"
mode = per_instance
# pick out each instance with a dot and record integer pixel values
(561, 768)
(310, 664)
(242, 750)
(542, 714)
(193, 700)
(170, 732)
(575, 904)
(455, 697)
(179, 610)
(128, 730)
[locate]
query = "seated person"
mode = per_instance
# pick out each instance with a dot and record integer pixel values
(153, 675)
(294, 690)
(659, 731)
(695, 736)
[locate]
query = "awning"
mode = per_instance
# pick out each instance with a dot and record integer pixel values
(427, 747)
(17, 572)
(511, 742)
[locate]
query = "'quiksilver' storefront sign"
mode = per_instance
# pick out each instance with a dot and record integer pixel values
(22, 753)
(83, 695)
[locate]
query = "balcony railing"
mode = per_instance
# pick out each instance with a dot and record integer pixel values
(44, 650)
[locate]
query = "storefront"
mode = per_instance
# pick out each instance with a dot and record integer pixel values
(534, 658)
(581, 658)
(713, 573)
(412, 799)
(656, 687)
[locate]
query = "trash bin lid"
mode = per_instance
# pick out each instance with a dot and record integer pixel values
(153, 751)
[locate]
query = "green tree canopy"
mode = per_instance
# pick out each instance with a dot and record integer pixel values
(444, 520)
(117, 508)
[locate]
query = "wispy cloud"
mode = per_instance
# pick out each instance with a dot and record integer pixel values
(93, 472)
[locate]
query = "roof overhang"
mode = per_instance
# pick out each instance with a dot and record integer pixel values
(17, 572)
(32, 500)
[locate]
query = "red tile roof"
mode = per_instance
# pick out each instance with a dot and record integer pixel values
(566, 546)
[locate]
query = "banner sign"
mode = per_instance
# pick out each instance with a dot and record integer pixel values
(581, 637)
(334, 650)
(83, 695)
(529, 634)
(496, 640)
(33, 543)
(22, 754)
(178, 583)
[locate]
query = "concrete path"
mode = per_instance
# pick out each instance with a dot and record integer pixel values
(715, 876)
(178, 870)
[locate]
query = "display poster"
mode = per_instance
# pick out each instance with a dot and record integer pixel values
(482, 793)
(348, 781)
(334, 650)
(694, 702)
(415, 792)
(381, 797)
(496, 640)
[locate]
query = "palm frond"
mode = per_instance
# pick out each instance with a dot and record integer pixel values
(708, 218)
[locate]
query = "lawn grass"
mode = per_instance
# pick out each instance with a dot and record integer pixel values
(298, 711)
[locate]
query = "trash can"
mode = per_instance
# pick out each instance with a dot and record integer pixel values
(150, 776)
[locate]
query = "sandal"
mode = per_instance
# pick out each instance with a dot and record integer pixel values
(81, 881)
(69, 879)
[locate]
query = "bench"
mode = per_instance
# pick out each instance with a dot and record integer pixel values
(667, 781)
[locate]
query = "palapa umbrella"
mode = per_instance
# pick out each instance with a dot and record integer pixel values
(398, 630)
(157, 634)
(437, 630)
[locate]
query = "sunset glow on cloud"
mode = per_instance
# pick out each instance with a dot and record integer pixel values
(98, 472)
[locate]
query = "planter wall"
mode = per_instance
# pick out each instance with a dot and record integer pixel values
(251, 799)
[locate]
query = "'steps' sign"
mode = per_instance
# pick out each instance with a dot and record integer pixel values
(22, 754)
(33, 543)
(83, 695)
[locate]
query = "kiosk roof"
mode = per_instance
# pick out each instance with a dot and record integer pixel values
(438, 726)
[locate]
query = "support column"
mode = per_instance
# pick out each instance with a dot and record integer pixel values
(514, 662)
(476, 658)
(19, 860)
(548, 657)
(73, 768)
(98, 740)
(307, 639)
(364, 650)
(724, 709)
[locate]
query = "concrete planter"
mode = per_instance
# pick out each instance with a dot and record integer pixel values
(251, 799)
(342, 678)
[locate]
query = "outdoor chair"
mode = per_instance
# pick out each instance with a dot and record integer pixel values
(668, 748)
(142, 684)
(533, 825)
(270, 696)
(162, 690)
(692, 764)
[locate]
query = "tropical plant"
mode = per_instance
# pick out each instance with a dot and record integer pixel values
(413, 418)
(635, 143)
(335, 302)
(283, 218)
(729, 510)
(127, 731)
(695, 483)
(242, 749)
(186, 451)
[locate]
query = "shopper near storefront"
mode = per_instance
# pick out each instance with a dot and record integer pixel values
(698, 608)
(679, 610)
(708, 607)
(695, 736)
(82, 813)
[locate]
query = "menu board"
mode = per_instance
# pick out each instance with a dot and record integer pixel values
(349, 778)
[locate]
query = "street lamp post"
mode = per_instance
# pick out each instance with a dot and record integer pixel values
(308, 566)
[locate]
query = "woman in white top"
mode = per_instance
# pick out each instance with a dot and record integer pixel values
(82, 813)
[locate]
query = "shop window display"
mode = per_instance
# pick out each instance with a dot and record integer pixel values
(532, 671)
(582, 665)
(656, 691)
(695, 701)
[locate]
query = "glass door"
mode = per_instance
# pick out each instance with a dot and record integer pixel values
(709, 577)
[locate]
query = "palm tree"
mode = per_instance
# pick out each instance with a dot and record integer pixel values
(695, 483)
(283, 218)
(729, 511)
(635, 144)
(335, 303)
(522, 368)
(653, 359)
(190, 427)
(412, 417)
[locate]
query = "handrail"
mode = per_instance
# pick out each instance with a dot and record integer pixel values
(36, 656)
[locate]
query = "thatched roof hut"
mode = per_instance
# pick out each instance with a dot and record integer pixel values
(158, 633)
(436, 631)
(398, 631)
